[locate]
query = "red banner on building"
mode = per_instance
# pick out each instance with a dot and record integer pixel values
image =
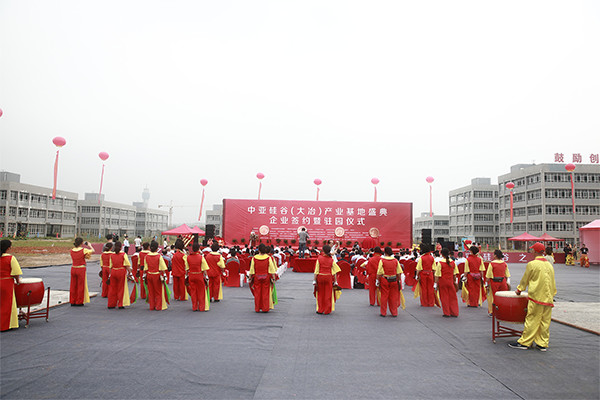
(340, 220)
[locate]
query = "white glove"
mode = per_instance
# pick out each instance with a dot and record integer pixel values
(464, 278)
(314, 282)
(435, 286)
(377, 283)
(508, 281)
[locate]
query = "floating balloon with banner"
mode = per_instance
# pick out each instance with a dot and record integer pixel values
(510, 186)
(1, 112)
(203, 182)
(375, 181)
(430, 180)
(103, 156)
(317, 182)
(260, 177)
(571, 168)
(58, 142)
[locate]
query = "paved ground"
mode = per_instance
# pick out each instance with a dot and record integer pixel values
(232, 352)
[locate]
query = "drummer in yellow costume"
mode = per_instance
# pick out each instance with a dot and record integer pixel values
(10, 271)
(539, 278)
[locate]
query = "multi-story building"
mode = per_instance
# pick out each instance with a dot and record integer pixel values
(28, 210)
(542, 201)
(474, 212)
(439, 225)
(97, 218)
(215, 217)
(149, 222)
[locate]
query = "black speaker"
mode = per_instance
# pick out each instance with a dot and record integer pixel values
(426, 236)
(448, 245)
(440, 240)
(210, 231)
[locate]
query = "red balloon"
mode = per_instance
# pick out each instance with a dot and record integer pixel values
(1, 112)
(510, 185)
(59, 141)
(203, 182)
(374, 181)
(318, 181)
(260, 175)
(429, 179)
(103, 155)
(570, 167)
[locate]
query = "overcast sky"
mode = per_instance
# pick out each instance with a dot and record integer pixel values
(344, 91)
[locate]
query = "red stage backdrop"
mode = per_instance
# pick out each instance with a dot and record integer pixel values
(321, 218)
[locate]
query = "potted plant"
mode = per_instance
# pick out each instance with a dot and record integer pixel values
(293, 241)
(398, 244)
(243, 240)
(234, 241)
(348, 242)
(278, 240)
(285, 241)
(390, 243)
(382, 244)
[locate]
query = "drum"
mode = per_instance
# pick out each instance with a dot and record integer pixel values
(511, 307)
(36, 286)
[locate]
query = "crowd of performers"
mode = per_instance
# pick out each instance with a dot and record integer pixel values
(436, 277)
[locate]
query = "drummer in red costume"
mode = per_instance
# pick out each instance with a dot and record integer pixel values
(142, 255)
(425, 270)
(154, 270)
(216, 266)
(371, 266)
(389, 282)
(263, 272)
(446, 281)
(498, 277)
(326, 270)
(79, 289)
(539, 278)
(10, 272)
(196, 267)
(120, 267)
(105, 265)
(474, 270)
(178, 271)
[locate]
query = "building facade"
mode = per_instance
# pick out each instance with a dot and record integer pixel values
(215, 217)
(542, 201)
(29, 210)
(99, 218)
(474, 212)
(150, 222)
(439, 225)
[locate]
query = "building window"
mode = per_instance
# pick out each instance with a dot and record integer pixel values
(559, 226)
(2, 194)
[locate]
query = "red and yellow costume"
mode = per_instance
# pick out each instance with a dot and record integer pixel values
(154, 267)
(371, 266)
(325, 270)
(388, 274)
(196, 267)
(178, 273)
(9, 315)
(143, 255)
(497, 275)
(446, 275)
(216, 266)
(425, 271)
(105, 265)
(262, 271)
(539, 279)
(78, 293)
(474, 270)
(118, 292)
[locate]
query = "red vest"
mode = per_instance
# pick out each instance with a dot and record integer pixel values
(261, 267)
(194, 261)
(373, 264)
(474, 264)
(390, 267)
(118, 260)
(212, 260)
(325, 264)
(177, 264)
(427, 261)
(447, 270)
(78, 257)
(105, 258)
(5, 266)
(499, 269)
(143, 255)
(153, 262)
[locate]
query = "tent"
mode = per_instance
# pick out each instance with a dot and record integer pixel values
(590, 236)
(547, 238)
(525, 237)
(199, 231)
(180, 230)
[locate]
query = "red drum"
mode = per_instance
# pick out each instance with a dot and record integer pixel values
(36, 286)
(511, 307)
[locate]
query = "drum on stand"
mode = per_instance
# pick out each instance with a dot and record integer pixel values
(511, 308)
(30, 292)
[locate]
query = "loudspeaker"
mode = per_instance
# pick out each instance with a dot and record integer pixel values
(210, 231)
(426, 236)
(440, 240)
(448, 245)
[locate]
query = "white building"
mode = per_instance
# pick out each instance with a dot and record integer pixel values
(439, 225)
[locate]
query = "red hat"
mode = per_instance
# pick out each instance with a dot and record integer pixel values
(538, 247)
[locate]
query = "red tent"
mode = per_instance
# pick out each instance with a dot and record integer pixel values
(547, 238)
(590, 235)
(180, 230)
(525, 237)
(199, 231)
